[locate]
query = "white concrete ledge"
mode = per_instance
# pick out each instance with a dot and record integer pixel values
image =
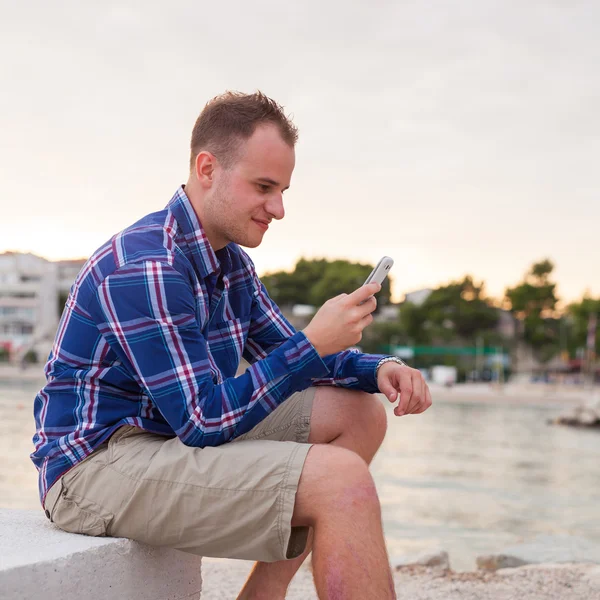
(37, 560)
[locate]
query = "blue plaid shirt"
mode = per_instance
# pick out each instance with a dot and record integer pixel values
(143, 342)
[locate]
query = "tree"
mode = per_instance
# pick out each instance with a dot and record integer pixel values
(316, 281)
(456, 312)
(579, 317)
(533, 302)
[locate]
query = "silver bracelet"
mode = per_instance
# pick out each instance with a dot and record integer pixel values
(386, 360)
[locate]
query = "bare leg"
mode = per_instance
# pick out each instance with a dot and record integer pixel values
(341, 418)
(338, 497)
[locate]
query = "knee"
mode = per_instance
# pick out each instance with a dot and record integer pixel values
(335, 480)
(375, 417)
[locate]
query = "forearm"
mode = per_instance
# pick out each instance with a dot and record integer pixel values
(210, 414)
(351, 369)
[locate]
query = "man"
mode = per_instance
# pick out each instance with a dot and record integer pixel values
(143, 429)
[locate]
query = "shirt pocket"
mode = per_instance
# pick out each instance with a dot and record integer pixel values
(227, 341)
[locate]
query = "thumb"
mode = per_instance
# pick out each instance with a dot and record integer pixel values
(385, 387)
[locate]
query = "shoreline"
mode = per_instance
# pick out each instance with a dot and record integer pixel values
(16, 374)
(517, 392)
(223, 578)
(543, 394)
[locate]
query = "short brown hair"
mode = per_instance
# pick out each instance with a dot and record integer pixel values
(231, 118)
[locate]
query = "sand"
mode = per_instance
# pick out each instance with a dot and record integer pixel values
(224, 579)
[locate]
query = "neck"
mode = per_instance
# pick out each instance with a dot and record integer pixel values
(197, 200)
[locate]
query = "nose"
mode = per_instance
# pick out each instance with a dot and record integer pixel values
(274, 206)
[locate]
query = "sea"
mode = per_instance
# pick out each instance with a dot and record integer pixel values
(467, 477)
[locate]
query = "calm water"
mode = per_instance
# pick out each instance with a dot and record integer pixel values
(470, 478)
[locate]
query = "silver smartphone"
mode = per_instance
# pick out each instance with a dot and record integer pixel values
(379, 273)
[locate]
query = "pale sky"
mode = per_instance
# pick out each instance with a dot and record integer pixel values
(456, 137)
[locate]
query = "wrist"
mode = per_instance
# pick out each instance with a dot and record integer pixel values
(386, 360)
(315, 343)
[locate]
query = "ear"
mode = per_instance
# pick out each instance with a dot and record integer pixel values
(205, 168)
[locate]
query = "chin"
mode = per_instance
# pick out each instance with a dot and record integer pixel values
(248, 241)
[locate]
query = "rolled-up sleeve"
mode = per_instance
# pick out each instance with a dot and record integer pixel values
(147, 313)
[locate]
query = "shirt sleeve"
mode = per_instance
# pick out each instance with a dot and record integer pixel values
(269, 329)
(147, 312)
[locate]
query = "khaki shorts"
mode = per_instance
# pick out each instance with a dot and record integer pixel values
(234, 500)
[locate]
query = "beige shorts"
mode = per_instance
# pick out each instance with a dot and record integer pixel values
(234, 500)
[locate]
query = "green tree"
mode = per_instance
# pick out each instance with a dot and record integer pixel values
(316, 281)
(579, 318)
(381, 334)
(457, 312)
(533, 302)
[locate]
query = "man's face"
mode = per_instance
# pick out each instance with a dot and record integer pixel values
(249, 195)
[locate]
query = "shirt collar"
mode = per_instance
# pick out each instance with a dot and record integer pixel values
(207, 261)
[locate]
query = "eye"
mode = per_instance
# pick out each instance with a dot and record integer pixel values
(263, 188)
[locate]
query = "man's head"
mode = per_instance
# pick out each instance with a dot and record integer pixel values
(242, 158)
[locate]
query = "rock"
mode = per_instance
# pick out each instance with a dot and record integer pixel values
(586, 415)
(493, 562)
(543, 549)
(436, 558)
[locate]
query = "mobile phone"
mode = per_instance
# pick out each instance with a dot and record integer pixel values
(379, 273)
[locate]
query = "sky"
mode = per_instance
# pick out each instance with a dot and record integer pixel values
(456, 137)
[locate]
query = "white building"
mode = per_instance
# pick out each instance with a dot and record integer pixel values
(29, 301)
(67, 272)
(418, 297)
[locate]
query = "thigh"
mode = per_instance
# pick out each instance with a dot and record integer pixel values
(290, 421)
(233, 501)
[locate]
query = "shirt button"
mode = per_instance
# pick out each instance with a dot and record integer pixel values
(47, 513)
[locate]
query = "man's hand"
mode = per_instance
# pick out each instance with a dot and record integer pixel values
(415, 397)
(339, 323)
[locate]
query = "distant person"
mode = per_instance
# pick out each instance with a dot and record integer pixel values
(145, 432)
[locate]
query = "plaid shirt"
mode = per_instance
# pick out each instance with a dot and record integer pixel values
(142, 341)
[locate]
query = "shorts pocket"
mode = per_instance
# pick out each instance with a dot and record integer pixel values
(75, 514)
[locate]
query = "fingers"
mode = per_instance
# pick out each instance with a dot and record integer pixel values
(406, 392)
(415, 396)
(363, 293)
(425, 405)
(367, 307)
(366, 320)
(418, 395)
(389, 390)
(419, 403)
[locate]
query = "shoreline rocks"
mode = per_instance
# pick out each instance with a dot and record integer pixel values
(543, 549)
(585, 415)
(436, 558)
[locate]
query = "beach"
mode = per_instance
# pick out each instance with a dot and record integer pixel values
(222, 580)
(480, 471)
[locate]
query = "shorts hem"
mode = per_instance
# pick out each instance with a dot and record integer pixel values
(292, 539)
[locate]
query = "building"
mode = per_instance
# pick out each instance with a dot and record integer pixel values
(67, 273)
(387, 313)
(30, 288)
(418, 297)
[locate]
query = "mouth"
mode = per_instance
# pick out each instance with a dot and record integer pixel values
(262, 224)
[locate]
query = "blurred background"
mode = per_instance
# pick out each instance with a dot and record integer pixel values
(458, 138)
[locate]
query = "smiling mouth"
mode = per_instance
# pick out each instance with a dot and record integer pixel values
(262, 224)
